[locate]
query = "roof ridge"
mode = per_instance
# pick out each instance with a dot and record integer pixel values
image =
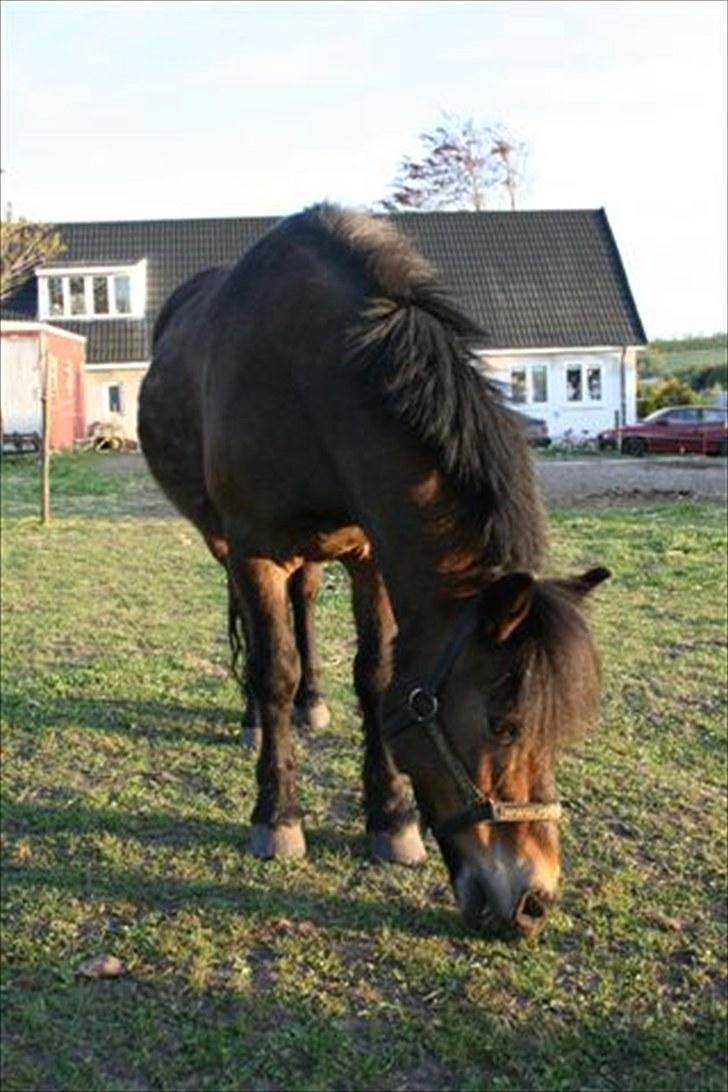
(473, 214)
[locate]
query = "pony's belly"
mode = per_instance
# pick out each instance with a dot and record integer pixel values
(290, 547)
(345, 542)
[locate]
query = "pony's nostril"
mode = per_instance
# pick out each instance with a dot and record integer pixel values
(533, 907)
(531, 912)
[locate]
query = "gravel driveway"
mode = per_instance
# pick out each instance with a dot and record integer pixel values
(607, 480)
(572, 481)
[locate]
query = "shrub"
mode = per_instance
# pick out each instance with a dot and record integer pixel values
(666, 392)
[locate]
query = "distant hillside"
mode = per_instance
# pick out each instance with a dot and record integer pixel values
(700, 361)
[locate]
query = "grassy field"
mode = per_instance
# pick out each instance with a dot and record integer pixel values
(126, 802)
(684, 356)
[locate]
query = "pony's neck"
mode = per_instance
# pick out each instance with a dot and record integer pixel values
(433, 562)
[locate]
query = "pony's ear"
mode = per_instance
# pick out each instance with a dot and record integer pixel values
(504, 605)
(579, 586)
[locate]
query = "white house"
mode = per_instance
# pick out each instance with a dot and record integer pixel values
(576, 391)
(561, 328)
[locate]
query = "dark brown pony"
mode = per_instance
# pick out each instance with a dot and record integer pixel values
(170, 427)
(343, 417)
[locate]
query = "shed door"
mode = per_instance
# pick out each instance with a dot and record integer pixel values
(20, 384)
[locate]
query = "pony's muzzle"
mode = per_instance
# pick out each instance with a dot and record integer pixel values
(481, 909)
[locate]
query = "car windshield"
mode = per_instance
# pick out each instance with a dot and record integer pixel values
(654, 416)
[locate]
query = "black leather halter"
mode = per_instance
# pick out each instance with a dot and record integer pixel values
(419, 710)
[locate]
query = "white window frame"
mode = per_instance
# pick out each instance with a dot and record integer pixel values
(529, 369)
(107, 397)
(136, 272)
(586, 399)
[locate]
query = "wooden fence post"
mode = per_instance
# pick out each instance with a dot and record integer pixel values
(45, 459)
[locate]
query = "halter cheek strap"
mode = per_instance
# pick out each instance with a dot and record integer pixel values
(420, 711)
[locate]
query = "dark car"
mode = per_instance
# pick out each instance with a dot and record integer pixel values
(537, 431)
(701, 430)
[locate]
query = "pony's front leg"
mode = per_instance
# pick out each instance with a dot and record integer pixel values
(392, 826)
(274, 673)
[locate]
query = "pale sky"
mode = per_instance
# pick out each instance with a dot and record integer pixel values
(167, 109)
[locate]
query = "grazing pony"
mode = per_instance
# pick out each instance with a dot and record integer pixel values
(342, 415)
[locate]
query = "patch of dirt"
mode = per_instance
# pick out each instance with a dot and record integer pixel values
(205, 667)
(428, 1076)
(262, 968)
(628, 498)
(142, 495)
(356, 951)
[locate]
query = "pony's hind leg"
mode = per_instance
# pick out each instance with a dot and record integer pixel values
(238, 634)
(240, 645)
(309, 708)
(394, 834)
(273, 669)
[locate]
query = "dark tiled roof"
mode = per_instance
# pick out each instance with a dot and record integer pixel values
(531, 279)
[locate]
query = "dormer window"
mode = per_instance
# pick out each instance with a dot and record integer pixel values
(103, 292)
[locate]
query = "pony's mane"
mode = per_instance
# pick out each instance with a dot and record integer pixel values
(416, 349)
(557, 670)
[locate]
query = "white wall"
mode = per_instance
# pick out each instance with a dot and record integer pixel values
(587, 415)
(20, 384)
(97, 381)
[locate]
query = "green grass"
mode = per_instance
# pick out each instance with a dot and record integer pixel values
(126, 802)
(677, 360)
(684, 357)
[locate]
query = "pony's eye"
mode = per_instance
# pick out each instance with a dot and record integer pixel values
(505, 730)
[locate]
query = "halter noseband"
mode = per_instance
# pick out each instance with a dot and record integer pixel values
(420, 710)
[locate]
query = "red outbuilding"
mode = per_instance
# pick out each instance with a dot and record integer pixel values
(30, 351)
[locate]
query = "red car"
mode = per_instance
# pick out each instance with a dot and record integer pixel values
(701, 430)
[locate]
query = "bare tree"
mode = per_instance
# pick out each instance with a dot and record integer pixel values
(463, 166)
(24, 245)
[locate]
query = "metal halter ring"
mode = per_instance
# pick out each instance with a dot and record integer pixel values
(422, 705)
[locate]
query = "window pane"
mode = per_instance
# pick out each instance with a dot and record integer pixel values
(122, 295)
(714, 416)
(77, 291)
(573, 385)
(115, 398)
(55, 295)
(518, 385)
(594, 383)
(101, 296)
(540, 386)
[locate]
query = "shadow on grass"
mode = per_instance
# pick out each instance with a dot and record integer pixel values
(276, 897)
(158, 828)
(151, 720)
(267, 888)
(153, 1031)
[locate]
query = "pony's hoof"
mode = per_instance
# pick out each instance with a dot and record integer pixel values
(405, 847)
(250, 738)
(285, 841)
(315, 716)
(318, 716)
